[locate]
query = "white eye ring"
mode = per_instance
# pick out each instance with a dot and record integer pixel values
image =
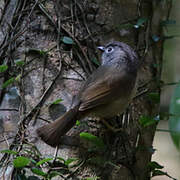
(109, 49)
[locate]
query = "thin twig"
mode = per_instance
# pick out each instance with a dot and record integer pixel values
(141, 93)
(4, 109)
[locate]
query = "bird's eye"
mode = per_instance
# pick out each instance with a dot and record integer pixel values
(109, 49)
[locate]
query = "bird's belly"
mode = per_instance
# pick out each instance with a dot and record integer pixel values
(115, 107)
(111, 109)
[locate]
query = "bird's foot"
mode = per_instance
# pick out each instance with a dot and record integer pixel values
(110, 127)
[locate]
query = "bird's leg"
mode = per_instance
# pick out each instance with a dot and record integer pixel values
(110, 127)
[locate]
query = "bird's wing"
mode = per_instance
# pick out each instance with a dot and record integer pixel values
(103, 87)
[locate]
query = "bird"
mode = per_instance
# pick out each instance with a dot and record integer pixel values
(106, 92)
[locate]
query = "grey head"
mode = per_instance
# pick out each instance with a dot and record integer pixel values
(117, 53)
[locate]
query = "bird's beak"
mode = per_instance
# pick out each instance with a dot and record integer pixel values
(101, 48)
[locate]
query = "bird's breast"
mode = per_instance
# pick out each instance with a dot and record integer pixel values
(114, 108)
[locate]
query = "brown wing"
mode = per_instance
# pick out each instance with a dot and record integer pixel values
(103, 87)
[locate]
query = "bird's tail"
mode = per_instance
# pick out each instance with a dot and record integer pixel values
(51, 133)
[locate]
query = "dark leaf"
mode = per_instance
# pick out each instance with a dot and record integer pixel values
(33, 51)
(158, 173)
(154, 165)
(140, 22)
(53, 174)
(20, 177)
(67, 40)
(155, 97)
(97, 160)
(33, 178)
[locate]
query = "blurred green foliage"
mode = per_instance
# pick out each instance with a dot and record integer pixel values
(174, 120)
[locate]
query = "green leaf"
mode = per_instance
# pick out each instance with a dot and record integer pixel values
(155, 97)
(42, 52)
(3, 68)
(38, 172)
(92, 178)
(43, 161)
(69, 161)
(19, 63)
(140, 22)
(21, 162)
(154, 165)
(57, 101)
(147, 121)
(98, 142)
(18, 78)
(174, 121)
(78, 123)
(8, 151)
(158, 173)
(95, 61)
(67, 40)
(8, 82)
